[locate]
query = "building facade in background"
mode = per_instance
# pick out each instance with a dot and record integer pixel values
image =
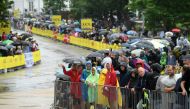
(28, 6)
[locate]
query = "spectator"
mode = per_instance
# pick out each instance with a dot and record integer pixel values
(18, 51)
(10, 35)
(74, 73)
(34, 46)
(85, 73)
(107, 59)
(185, 83)
(171, 60)
(3, 37)
(109, 89)
(163, 60)
(122, 58)
(143, 57)
(124, 75)
(167, 85)
(92, 81)
(186, 60)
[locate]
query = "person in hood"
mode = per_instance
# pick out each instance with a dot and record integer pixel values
(110, 84)
(143, 56)
(139, 63)
(124, 75)
(107, 59)
(171, 60)
(92, 81)
(163, 60)
(85, 73)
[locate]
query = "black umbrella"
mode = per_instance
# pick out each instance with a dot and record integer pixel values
(10, 46)
(103, 51)
(72, 60)
(95, 54)
(2, 44)
(3, 48)
(145, 44)
(25, 43)
(25, 36)
(16, 43)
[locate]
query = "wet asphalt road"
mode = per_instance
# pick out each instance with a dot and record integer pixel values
(33, 88)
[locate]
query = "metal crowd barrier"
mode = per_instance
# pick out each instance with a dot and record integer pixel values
(81, 96)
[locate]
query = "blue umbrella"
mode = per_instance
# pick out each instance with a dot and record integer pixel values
(131, 32)
(78, 30)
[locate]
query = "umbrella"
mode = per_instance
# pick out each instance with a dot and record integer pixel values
(116, 35)
(131, 32)
(157, 44)
(103, 51)
(95, 54)
(64, 26)
(126, 45)
(78, 30)
(7, 42)
(137, 52)
(145, 44)
(103, 32)
(176, 30)
(169, 34)
(72, 60)
(10, 46)
(3, 48)
(16, 43)
(24, 43)
(76, 23)
(25, 36)
(1, 44)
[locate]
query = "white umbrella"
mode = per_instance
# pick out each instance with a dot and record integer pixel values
(169, 34)
(156, 44)
(137, 52)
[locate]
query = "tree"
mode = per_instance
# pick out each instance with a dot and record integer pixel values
(55, 7)
(100, 9)
(4, 13)
(162, 13)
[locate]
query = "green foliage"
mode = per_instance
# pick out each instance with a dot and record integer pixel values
(54, 7)
(163, 13)
(100, 9)
(4, 6)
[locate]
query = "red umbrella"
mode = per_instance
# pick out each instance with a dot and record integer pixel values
(176, 30)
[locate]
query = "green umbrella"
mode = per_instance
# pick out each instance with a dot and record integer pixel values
(7, 42)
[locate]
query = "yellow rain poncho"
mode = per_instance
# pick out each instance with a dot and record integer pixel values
(103, 100)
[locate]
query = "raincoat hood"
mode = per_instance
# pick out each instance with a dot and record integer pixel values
(157, 68)
(88, 63)
(93, 78)
(164, 54)
(140, 62)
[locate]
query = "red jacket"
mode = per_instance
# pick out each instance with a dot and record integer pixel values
(75, 86)
(111, 84)
(4, 37)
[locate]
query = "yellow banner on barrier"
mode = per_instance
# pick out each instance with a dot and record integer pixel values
(36, 56)
(56, 19)
(17, 60)
(86, 25)
(80, 41)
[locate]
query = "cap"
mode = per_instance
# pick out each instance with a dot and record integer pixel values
(186, 57)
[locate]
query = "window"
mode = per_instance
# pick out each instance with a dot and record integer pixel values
(31, 6)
